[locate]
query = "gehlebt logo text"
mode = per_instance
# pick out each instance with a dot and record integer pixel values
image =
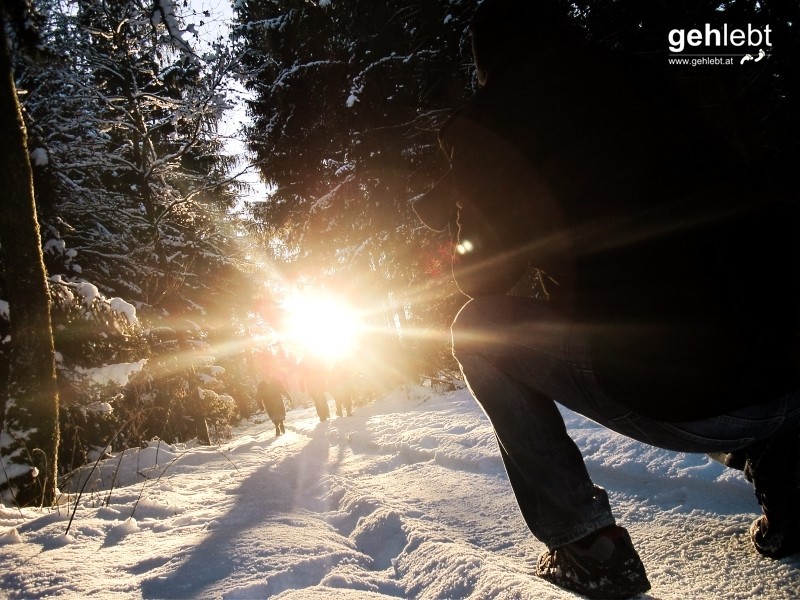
(725, 45)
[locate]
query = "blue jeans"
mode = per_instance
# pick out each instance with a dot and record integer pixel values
(519, 358)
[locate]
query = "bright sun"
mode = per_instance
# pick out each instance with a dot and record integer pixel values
(320, 324)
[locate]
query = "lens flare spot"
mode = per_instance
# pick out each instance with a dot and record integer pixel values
(465, 247)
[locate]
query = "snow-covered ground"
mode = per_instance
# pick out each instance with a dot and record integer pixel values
(405, 499)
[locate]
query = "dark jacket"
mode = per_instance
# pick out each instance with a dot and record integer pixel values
(270, 394)
(666, 250)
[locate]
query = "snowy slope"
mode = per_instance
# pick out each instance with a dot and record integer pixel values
(406, 499)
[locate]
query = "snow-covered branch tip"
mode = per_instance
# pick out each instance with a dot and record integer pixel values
(164, 13)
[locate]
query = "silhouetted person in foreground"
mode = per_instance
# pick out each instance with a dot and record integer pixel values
(664, 308)
(272, 395)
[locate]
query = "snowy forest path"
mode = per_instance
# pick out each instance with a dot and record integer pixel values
(405, 499)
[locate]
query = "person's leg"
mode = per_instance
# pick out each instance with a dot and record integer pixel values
(321, 405)
(730, 438)
(324, 407)
(773, 467)
(587, 552)
(555, 494)
(532, 346)
(526, 341)
(763, 441)
(338, 402)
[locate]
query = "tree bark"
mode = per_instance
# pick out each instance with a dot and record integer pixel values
(29, 440)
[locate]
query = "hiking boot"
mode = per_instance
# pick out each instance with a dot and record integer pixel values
(604, 564)
(775, 475)
(775, 541)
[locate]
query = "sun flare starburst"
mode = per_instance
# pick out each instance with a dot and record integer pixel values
(320, 324)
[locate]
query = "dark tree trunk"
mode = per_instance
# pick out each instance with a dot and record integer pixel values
(28, 446)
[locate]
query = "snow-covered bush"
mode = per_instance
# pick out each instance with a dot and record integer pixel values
(99, 344)
(179, 394)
